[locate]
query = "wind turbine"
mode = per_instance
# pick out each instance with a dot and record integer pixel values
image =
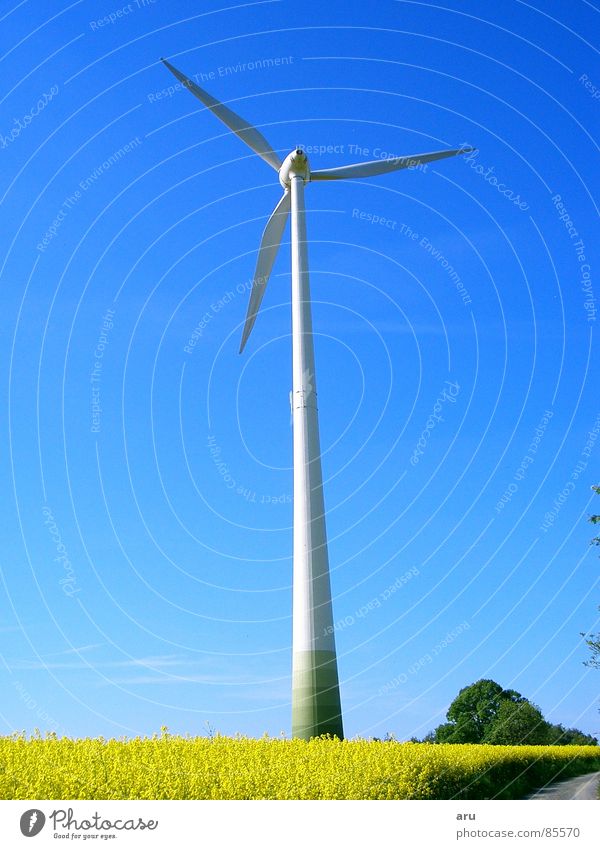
(316, 706)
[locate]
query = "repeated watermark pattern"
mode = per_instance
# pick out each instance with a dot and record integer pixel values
(215, 308)
(374, 218)
(67, 205)
(50, 723)
(585, 269)
(321, 149)
(23, 122)
(379, 153)
(234, 485)
(115, 157)
(592, 89)
(449, 269)
(526, 462)
(96, 373)
(488, 175)
(262, 64)
(569, 486)
(424, 243)
(534, 151)
(85, 184)
(425, 659)
(373, 604)
(118, 14)
(448, 394)
(69, 581)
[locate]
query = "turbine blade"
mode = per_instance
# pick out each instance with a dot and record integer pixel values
(383, 166)
(245, 131)
(269, 245)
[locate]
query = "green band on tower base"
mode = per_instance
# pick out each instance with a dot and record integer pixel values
(316, 706)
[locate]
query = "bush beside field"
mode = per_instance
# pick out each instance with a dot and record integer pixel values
(169, 767)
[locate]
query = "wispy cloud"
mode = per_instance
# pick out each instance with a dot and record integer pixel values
(155, 661)
(153, 669)
(151, 662)
(76, 650)
(200, 678)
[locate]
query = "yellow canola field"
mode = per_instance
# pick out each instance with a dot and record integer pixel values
(170, 767)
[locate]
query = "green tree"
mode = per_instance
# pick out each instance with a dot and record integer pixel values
(485, 713)
(558, 735)
(517, 724)
(451, 732)
(473, 711)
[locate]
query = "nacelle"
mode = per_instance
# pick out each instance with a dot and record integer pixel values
(295, 164)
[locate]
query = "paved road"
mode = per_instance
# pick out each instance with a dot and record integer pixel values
(582, 787)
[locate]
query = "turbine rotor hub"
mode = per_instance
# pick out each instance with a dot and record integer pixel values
(294, 165)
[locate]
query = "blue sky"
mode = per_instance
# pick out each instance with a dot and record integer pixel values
(146, 557)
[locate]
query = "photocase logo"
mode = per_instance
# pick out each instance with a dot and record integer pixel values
(32, 822)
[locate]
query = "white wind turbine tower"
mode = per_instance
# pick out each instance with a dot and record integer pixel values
(316, 707)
